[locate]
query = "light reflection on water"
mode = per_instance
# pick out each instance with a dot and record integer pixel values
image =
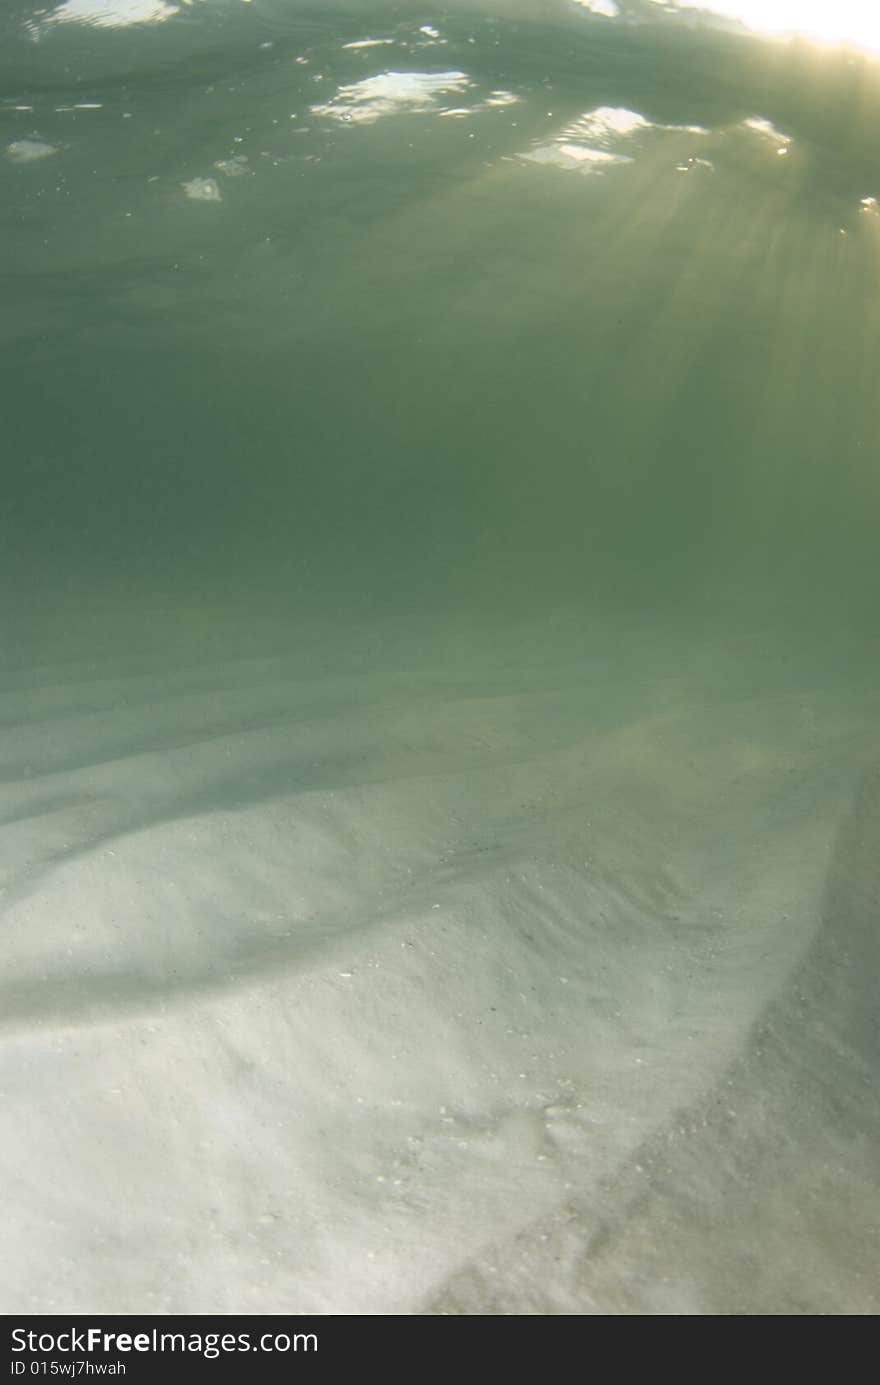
(112, 14)
(855, 22)
(834, 21)
(390, 93)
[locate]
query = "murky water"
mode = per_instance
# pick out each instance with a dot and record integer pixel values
(439, 713)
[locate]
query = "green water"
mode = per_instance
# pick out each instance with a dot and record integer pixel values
(479, 402)
(400, 364)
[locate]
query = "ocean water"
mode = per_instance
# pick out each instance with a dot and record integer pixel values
(439, 703)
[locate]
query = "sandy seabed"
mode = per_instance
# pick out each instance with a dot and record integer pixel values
(533, 976)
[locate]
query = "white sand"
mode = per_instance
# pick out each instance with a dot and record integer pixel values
(447, 979)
